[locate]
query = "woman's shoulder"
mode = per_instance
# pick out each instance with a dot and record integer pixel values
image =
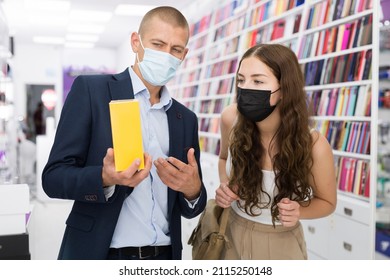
(229, 114)
(321, 146)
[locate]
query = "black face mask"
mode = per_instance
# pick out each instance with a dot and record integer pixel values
(254, 104)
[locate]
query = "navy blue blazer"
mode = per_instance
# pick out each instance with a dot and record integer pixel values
(74, 167)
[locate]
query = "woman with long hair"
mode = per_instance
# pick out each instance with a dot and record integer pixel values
(274, 168)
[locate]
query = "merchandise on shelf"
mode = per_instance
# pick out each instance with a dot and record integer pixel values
(334, 43)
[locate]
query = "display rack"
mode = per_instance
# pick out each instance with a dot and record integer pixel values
(7, 146)
(336, 43)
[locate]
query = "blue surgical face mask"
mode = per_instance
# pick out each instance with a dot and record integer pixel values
(157, 67)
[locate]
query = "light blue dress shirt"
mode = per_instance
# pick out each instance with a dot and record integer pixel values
(143, 219)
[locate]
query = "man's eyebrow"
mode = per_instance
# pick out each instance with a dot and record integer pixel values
(179, 46)
(165, 43)
(158, 41)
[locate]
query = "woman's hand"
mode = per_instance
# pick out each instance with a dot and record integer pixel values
(224, 196)
(288, 212)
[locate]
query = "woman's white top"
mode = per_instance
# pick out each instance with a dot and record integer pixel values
(269, 187)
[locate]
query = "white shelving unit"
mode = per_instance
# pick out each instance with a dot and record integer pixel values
(205, 84)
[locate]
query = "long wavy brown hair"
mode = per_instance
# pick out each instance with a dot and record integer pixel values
(291, 144)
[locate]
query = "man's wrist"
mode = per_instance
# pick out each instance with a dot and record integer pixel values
(192, 197)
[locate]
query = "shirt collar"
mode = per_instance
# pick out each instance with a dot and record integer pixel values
(139, 88)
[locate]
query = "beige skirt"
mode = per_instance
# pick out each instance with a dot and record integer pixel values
(249, 240)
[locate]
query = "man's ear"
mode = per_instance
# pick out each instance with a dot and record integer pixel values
(134, 42)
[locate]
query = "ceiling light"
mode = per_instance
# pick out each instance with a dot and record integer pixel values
(47, 19)
(49, 40)
(79, 45)
(82, 37)
(132, 10)
(90, 16)
(86, 28)
(47, 5)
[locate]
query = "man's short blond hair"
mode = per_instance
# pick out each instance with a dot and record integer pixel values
(168, 14)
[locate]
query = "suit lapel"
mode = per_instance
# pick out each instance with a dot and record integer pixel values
(176, 144)
(175, 124)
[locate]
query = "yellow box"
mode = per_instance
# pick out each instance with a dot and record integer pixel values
(126, 133)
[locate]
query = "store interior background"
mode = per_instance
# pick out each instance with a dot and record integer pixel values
(46, 54)
(38, 66)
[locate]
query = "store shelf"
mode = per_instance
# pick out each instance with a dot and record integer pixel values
(337, 48)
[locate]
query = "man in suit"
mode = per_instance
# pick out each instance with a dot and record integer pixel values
(133, 214)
